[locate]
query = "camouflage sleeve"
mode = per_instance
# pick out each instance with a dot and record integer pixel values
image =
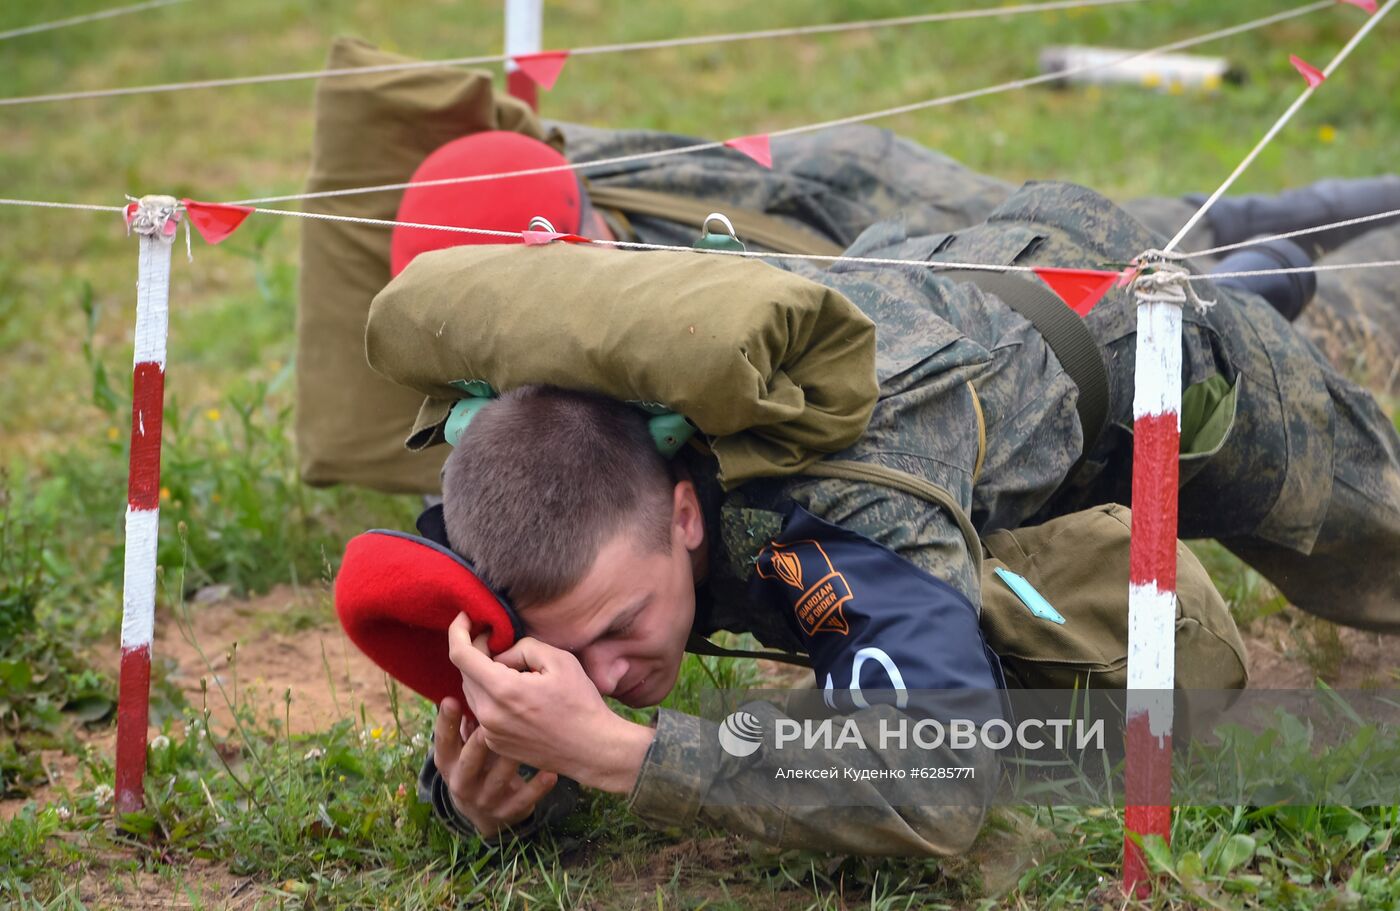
(687, 778)
(913, 528)
(555, 805)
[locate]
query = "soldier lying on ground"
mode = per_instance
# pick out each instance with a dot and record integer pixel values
(1268, 487)
(824, 188)
(1285, 461)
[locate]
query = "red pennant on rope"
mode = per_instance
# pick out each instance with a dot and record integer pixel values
(215, 221)
(131, 208)
(756, 147)
(1080, 288)
(1310, 72)
(542, 68)
(540, 238)
(1368, 5)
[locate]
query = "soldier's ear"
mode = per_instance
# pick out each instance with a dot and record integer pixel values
(687, 520)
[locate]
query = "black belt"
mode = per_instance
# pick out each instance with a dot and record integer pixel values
(1063, 330)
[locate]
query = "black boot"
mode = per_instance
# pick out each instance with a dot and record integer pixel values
(1238, 218)
(1288, 294)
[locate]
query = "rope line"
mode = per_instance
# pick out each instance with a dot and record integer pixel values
(810, 257)
(980, 13)
(823, 125)
(1279, 124)
(39, 204)
(90, 17)
(1254, 241)
(633, 245)
(1295, 270)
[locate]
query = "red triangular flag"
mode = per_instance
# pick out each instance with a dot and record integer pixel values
(1368, 5)
(215, 221)
(131, 209)
(756, 147)
(540, 238)
(542, 68)
(1310, 72)
(1080, 288)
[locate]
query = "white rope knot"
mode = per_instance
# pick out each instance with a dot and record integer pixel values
(1160, 281)
(153, 216)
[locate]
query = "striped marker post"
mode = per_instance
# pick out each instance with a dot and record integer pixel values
(1152, 577)
(524, 35)
(154, 220)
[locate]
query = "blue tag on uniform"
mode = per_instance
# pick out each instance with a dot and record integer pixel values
(1029, 596)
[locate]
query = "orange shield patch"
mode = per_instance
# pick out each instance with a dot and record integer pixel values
(819, 606)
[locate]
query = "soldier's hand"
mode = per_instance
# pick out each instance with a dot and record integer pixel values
(536, 703)
(485, 787)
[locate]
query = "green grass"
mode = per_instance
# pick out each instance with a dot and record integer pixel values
(334, 831)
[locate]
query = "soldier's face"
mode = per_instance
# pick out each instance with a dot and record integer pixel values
(628, 620)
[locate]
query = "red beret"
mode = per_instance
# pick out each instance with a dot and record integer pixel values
(396, 594)
(504, 204)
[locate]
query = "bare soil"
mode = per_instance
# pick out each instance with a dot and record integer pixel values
(114, 883)
(245, 647)
(1287, 651)
(237, 644)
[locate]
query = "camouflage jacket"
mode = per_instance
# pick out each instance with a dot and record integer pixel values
(971, 400)
(836, 182)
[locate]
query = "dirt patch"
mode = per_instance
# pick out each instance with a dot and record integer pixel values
(328, 676)
(257, 650)
(114, 882)
(62, 771)
(1288, 652)
(686, 862)
(238, 644)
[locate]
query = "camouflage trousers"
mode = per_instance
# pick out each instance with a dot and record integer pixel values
(1306, 486)
(1355, 316)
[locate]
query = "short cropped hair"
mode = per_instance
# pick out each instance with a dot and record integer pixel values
(542, 479)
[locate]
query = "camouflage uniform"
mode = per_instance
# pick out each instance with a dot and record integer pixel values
(1353, 317)
(838, 182)
(1310, 462)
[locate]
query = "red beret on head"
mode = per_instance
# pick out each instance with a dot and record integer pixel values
(503, 204)
(396, 594)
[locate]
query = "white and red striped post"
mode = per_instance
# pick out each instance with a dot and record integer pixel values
(154, 220)
(1152, 575)
(524, 35)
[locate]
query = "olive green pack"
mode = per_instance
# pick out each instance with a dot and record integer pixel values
(1079, 564)
(372, 129)
(777, 370)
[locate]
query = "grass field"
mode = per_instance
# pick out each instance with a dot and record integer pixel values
(243, 809)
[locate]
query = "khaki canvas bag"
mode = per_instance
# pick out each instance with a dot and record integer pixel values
(775, 368)
(372, 129)
(1079, 563)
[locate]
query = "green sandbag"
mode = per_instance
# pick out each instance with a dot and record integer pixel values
(1079, 563)
(777, 369)
(371, 129)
